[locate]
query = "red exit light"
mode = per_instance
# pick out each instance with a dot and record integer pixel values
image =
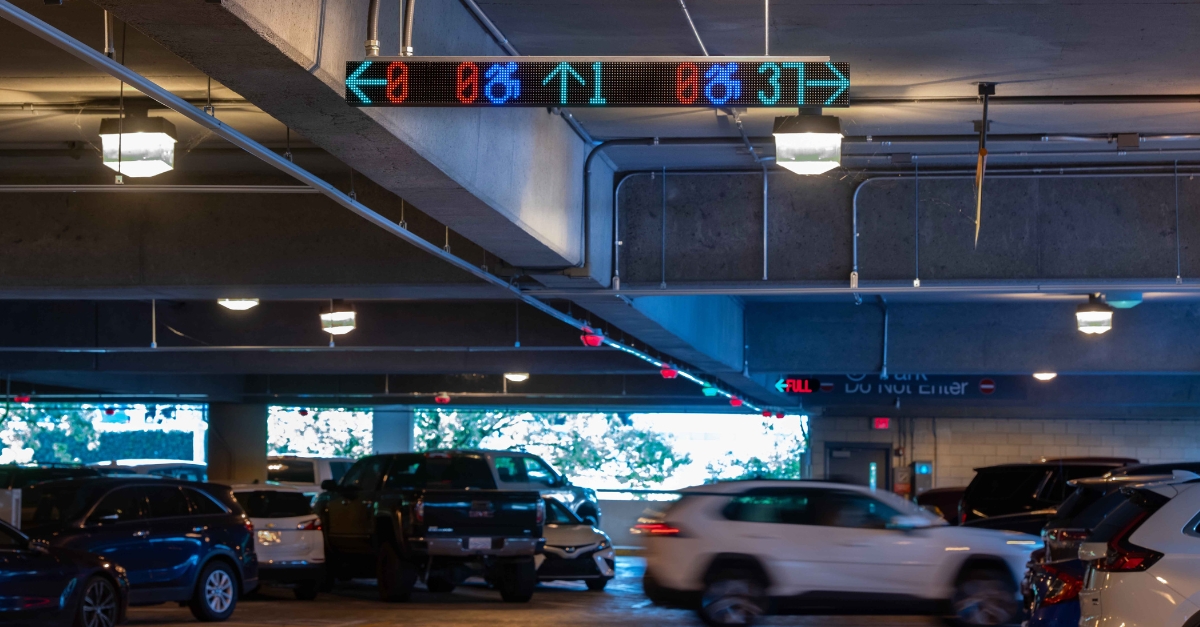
(881, 424)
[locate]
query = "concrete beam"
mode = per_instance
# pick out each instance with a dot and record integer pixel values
(508, 179)
(1032, 228)
(968, 338)
(151, 245)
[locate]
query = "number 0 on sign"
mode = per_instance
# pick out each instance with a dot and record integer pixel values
(598, 82)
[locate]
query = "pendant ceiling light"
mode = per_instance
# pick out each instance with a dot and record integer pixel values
(1095, 317)
(808, 144)
(238, 304)
(339, 320)
(138, 146)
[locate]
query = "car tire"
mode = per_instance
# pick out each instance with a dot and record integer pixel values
(596, 585)
(439, 584)
(396, 577)
(517, 581)
(99, 605)
(732, 598)
(216, 593)
(307, 590)
(985, 596)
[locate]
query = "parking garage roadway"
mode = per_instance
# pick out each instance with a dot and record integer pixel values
(556, 604)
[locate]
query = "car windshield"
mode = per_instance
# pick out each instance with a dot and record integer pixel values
(274, 503)
(558, 514)
(291, 471)
(45, 505)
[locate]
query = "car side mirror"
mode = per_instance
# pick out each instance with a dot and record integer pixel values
(329, 485)
(1092, 551)
(907, 523)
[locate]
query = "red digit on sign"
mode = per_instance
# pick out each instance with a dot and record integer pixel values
(397, 85)
(466, 82)
(687, 82)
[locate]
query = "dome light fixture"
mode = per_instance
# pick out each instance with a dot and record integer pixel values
(339, 320)
(1095, 317)
(808, 144)
(516, 377)
(1044, 376)
(138, 146)
(238, 304)
(591, 338)
(669, 371)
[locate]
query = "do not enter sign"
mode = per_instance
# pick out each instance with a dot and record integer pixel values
(987, 386)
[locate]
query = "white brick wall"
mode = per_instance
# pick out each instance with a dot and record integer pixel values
(964, 444)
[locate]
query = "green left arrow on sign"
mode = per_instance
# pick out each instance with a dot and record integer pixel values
(781, 386)
(355, 80)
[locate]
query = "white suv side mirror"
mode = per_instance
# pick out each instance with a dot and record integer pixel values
(1092, 551)
(908, 522)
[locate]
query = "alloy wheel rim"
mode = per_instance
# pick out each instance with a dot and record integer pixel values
(99, 606)
(731, 603)
(218, 591)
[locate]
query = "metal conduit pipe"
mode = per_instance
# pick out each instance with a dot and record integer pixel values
(867, 101)
(81, 51)
(406, 27)
(157, 189)
(372, 42)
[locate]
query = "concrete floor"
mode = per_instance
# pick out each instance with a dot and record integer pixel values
(553, 605)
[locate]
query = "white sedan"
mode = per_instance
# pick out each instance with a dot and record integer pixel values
(287, 536)
(734, 549)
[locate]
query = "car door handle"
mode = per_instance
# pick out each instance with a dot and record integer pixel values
(141, 534)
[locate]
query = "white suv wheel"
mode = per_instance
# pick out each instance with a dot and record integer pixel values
(733, 601)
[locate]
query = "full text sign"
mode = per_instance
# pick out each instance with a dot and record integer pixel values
(597, 82)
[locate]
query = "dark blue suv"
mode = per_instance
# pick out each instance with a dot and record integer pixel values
(178, 541)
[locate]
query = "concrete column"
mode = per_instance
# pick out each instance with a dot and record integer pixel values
(392, 429)
(237, 442)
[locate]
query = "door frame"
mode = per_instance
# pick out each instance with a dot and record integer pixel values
(878, 446)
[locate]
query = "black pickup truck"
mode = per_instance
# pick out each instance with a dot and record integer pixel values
(431, 516)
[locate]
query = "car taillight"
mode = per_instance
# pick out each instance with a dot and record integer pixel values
(962, 517)
(1061, 587)
(1124, 556)
(419, 511)
(541, 512)
(312, 525)
(656, 529)
(249, 525)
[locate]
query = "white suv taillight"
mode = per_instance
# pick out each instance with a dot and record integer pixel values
(541, 512)
(419, 511)
(311, 525)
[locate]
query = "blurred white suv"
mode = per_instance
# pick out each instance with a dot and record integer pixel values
(738, 550)
(287, 536)
(1144, 559)
(306, 473)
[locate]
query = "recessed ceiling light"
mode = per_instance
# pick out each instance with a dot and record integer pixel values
(1044, 376)
(516, 377)
(238, 304)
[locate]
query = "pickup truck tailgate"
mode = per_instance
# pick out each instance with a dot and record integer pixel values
(482, 512)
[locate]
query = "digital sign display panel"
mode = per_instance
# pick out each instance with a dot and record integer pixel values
(597, 82)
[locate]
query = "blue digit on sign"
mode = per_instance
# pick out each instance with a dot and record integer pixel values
(720, 77)
(773, 81)
(500, 79)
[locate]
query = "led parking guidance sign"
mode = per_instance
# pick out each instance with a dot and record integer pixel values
(598, 82)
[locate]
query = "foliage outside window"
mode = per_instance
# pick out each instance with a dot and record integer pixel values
(319, 432)
(87, 434)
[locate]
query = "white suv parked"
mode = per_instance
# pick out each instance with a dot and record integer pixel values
(1144, 559)
(306, 473)
(740, 548)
